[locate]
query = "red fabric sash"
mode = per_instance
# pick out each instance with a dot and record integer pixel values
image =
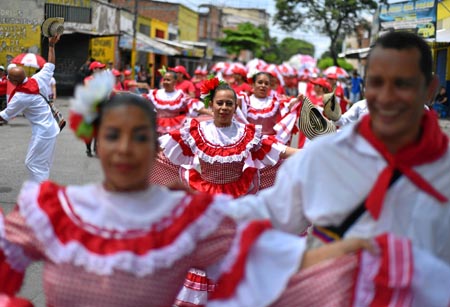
(29, 87)
(433, 144)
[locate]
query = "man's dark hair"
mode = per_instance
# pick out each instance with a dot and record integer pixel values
(401, 40)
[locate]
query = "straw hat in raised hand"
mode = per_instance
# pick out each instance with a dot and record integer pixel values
(52, 26)
(312, 123)
(331, 109)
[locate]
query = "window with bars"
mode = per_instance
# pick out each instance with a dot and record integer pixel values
(144, 29)
(69, 13)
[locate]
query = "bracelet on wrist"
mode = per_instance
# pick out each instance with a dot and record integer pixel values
(51, 45)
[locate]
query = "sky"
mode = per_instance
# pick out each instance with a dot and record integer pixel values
(320, 42)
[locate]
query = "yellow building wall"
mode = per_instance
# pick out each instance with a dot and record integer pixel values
(162, 26)
(159, 25)
(102, 49)
(187, 24)
(17, 39)
(443, 9)
(144, 21)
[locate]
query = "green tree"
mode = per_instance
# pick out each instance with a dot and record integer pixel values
(326, 62)
(271, 51)
(334, 18)
(245, 37)
(291, 46)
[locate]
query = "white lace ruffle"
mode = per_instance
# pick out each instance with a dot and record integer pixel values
(173, 151)
(15, 255)
(157, 97)
(191, 142)
(74, 252)
(273, 103)
(278, 253)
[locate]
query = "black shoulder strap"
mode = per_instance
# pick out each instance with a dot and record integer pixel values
(355, 215)
(45, 98)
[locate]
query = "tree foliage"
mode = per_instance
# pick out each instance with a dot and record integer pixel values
(326, 62)
(334, 18)
(291, 46)
(258, 40)
(245, 37)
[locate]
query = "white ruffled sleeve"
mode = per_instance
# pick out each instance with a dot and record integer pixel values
(194, 105)
(268, 153)
(173, 148)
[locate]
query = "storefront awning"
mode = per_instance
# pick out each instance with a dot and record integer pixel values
(443, 36)
(88, 32)
(361, 53)
(146, 44)
(174, 44)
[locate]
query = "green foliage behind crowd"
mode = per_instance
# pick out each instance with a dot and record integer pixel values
(258, 40)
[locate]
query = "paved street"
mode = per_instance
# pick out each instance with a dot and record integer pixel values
(71, 166)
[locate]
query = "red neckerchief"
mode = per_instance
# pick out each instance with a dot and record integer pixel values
(433, 144)
(29, 87)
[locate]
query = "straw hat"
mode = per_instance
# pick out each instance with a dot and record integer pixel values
(331, 109)
(312, 123)
(52, 26)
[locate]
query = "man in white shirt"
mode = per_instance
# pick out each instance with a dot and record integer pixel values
(387, 173)
(356, 111)
(26, 99)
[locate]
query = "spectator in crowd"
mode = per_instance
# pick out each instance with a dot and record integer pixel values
(183, 81)
(130, 85)
(441, 103)
(84, 70)
(3, 85)
(356, 87)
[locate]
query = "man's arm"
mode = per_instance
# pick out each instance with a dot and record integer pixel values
(51, 48)
(14, 108)
(282, 203)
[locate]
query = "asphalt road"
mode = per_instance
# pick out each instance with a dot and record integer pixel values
(71, 166)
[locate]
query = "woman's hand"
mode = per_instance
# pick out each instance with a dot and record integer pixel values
(335, 250)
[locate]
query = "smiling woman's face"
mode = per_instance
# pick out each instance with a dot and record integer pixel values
(261, 86)
(223, 107)
(126, 148)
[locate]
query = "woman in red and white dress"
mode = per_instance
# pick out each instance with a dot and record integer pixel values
(172, 105)
(276, 115)
(219, 155)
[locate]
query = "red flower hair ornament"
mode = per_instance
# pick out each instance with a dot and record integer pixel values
(207, 89)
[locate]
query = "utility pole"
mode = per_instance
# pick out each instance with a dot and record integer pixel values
(133, 48)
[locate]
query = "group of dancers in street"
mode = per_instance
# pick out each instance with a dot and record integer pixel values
(204, 202)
